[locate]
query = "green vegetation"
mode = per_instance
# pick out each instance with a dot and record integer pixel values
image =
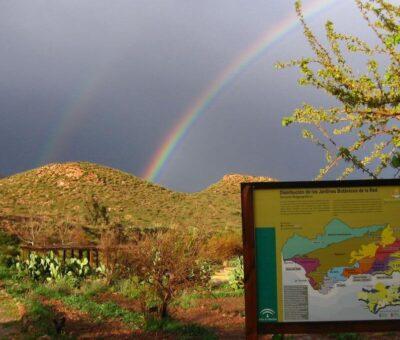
(49, 267)
(177, 328)
(145, 267)
(368, 112)
(149, 279)
(167, 264)
(68, 194)
(8, 248)
(39, 319)
(236, 280)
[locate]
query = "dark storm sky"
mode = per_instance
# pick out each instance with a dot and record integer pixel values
(139, 64)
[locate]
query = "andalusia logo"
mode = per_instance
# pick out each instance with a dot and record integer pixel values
(267, 314)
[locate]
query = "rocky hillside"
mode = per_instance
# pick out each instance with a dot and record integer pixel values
(63, 192)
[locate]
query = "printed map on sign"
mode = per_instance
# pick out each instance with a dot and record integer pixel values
(337, 253)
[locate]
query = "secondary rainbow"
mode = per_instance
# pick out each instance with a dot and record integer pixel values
(177, 134)
(73, 114)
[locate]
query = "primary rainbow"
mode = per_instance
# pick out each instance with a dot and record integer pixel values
(226, 77)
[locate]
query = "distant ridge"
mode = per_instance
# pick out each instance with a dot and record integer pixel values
(230, 183)
(61, 191)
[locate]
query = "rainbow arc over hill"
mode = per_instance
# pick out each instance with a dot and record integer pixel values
(246, 58)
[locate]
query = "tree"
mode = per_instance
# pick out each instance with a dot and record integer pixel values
(97, 213)
(368, 112)
(67, 234)
(167, 263)
(30, 232)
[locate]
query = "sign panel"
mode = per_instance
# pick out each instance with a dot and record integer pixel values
(325, 251)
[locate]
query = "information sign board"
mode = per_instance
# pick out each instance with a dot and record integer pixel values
(321, 256)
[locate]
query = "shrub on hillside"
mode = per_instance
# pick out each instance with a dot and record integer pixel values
(68, 234)
(33, 231)
(223, 247)
(8, 248)
(116, 260)
(42, 231)
(96, 212)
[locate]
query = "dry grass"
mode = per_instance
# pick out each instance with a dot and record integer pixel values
(223, 246)
(61, 192)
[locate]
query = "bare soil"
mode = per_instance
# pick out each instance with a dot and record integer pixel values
(80, 324)
(224, 315)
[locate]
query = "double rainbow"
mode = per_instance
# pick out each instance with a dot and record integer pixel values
(77, 109)
(177, 134)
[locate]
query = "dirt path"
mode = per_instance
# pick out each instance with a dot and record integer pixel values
(11, 313)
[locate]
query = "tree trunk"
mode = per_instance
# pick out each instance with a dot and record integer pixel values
(164, 310)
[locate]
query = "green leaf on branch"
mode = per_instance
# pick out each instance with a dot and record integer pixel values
(344, 152)
(395, 162)
(367, 108)
(286, 121)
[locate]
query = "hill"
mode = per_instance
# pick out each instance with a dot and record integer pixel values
(63, 191)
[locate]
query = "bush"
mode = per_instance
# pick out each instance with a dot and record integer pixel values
(93, 287)
(64, 285)
(8, 249)
(223, 247)
(236, 279)
(168, 263)
(115, 258)
(130, 287)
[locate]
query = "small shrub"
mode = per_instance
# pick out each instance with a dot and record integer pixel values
(64, 285)
(48, 290)
(93, 287)
(5, 273)
(226, 291)
(168, 263)
(188, 299)
(130, 287)
(115, 258)
(8, 248)
(236, 279)
(220, 248)
(97, 213)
